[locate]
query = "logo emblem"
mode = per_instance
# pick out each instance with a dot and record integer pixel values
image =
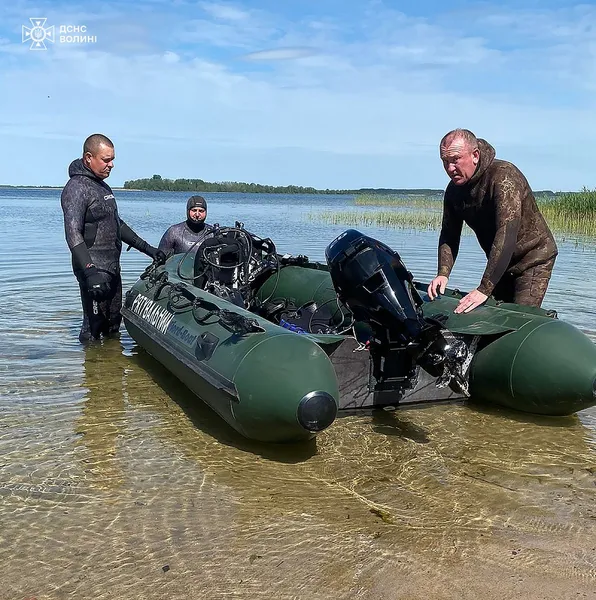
(37, 34)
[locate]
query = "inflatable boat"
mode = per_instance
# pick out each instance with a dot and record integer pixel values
(277, 345)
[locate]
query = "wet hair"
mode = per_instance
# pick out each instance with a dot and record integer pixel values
(94, 141)
(466, 135)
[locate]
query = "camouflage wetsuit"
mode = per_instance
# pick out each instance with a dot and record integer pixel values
(94, 233)
(497, 203)
(181, 237)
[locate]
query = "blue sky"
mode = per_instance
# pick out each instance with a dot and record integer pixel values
(329, 93)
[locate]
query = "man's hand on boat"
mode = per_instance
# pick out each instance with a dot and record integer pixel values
(468, 303)
(439, 282)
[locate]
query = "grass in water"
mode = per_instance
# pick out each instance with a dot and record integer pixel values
(401, 212)
(571, 213)
(406, 201)
(399, 220)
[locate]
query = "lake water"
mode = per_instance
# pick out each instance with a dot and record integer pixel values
(116, 483)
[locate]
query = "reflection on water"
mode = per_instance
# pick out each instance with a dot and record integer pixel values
(116, 482)
(101, 425)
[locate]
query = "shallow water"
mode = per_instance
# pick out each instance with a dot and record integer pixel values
(115, 482)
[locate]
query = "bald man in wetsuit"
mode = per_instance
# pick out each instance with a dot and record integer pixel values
(495, 200)
(94, 233)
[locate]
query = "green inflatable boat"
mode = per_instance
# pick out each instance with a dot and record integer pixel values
(277, 345)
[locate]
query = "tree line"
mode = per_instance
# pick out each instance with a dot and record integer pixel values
(159, 184)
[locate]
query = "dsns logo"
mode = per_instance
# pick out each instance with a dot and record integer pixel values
(37, 34)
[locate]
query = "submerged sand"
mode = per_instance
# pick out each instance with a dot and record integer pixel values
(116, 483)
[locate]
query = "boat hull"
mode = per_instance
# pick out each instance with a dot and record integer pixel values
(275, 385)
(270, 385)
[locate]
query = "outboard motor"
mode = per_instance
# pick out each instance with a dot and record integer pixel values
(372, 281)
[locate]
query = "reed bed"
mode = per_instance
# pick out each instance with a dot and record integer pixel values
(403, 200)
(572, 213)
(419, 220)
(408, 212)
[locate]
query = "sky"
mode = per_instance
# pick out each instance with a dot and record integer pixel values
(325, 93)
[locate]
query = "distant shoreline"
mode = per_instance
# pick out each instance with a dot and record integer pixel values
(372, 191)
(383, 191)
(54, 187)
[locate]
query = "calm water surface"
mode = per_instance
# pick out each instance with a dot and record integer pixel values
(115, 482)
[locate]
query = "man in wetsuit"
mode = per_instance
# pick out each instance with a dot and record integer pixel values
(495, 200)
(181, 237)
(94, 233)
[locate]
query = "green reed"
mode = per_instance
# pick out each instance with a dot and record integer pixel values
(402, 200)
(408, 212)
(384, 218)
(571, 212)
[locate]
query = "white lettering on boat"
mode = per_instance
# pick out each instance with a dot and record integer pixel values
(152, 312)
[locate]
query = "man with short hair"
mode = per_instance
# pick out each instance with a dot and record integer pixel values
(94, 234)
(494, 199)
(181, 237)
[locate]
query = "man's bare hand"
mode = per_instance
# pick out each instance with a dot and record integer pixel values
(439, 282)
(470, 302)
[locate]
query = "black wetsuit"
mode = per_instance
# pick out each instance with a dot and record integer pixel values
(94, 233)
(181, 237)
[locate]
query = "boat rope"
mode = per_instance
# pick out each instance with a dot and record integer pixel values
(181, 298)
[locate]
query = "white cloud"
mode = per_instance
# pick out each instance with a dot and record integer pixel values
(382, 97)
(226, 12)
(441, 52)
(218, 104)
(222, 35)
(280, 54)
(171, 57)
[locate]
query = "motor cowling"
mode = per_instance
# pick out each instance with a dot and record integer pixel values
(372, 280)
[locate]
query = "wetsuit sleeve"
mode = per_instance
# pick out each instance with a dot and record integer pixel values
(132, 239)
(74, 207)
(449, 238)
(507, 202)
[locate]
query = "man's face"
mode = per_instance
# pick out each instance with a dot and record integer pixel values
(102, 162)
(459, 160)
(197, 214)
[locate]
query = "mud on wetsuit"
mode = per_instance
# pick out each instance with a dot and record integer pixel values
(94, 233)
(497, 203)
(181, 237)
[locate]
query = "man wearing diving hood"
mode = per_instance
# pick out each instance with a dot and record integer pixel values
(94, 233)
(179, 238)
